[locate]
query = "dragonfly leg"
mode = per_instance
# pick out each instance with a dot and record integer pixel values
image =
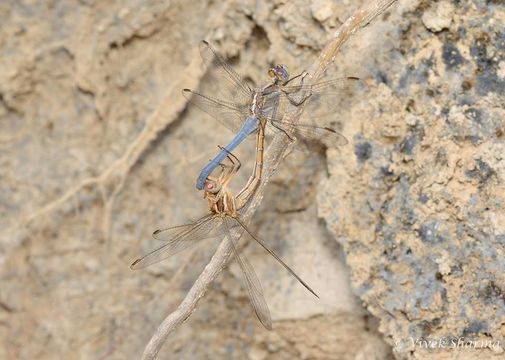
(223, 173)
(281, 129)
(302, 74)
(290, 98)
(296, 102)
(231, 169)
(232, 158)
(215, 188)
(223, 178)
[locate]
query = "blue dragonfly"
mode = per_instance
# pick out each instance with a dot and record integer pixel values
(239, 107)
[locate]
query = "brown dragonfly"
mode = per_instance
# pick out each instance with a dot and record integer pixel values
(224, 219)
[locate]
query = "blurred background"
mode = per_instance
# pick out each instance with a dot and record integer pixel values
(401, 232)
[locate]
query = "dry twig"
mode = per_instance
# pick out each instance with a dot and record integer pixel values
(274, 155)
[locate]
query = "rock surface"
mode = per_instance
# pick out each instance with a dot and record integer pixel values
(413, 204)
(418, 202)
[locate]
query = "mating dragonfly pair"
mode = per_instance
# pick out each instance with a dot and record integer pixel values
(246, 110)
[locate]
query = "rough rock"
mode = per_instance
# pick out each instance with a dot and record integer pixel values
(417, 202)
(439, 16)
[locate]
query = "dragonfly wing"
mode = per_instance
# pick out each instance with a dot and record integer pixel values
(252, 282)
(229, 83)
(179, 238)
(339, 86)
(276, 257)
(321, 99)
(327, 99)
(321, 102)
(231, 115)
(312, 134)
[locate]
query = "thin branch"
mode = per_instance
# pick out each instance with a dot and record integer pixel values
(276, 151)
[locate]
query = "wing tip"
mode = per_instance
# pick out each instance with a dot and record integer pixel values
(264, 319)
(340, 140)
(133, 265)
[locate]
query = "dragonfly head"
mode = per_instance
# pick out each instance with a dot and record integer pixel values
(279, 73)
(211, 186)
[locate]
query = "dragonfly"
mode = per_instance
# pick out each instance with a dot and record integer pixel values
(224, 219)
(239, 107)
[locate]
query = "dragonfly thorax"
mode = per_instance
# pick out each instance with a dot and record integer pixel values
(263, 96)
(221, 203)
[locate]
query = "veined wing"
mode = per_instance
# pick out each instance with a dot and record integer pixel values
(232, 115)
(320, 102)
(328, 98)
(336, 84)
(276, 257)
(179, 238)
(312, 134)
(229, 83)
(252, 282)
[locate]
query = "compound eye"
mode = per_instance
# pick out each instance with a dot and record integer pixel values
(211, 186)
(280, 72)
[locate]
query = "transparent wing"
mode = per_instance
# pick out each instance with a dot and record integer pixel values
(172, 233)
(327, 98)
(252, 283)
(321, 102)
(321, 99)
(276, 257)
(338, 85)
(313, 134)
(231, 115)
(229, 84)
(179, 238)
